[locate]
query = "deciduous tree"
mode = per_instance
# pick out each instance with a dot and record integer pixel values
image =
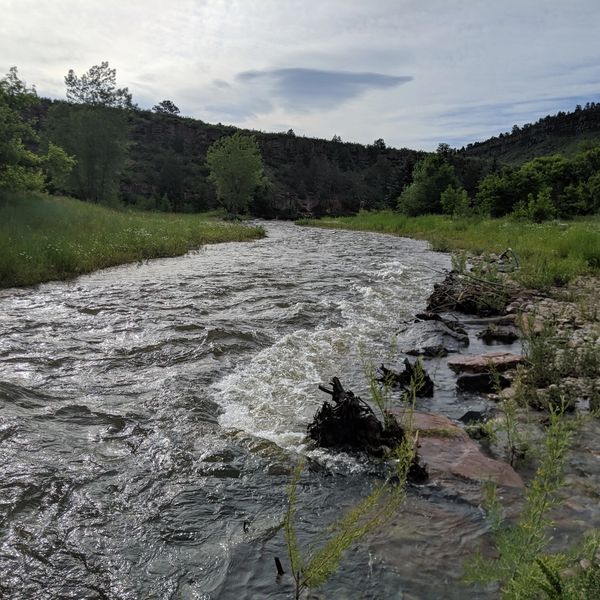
(21, 168)
(431, 177)
(236, 169)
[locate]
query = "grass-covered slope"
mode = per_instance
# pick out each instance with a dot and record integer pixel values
(44, 238)
(550, 254)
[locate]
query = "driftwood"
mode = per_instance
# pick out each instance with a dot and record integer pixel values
(469, 294)
(349, 423)
(411, 375)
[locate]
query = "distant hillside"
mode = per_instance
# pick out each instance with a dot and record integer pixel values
(562, 133)
(309, 176)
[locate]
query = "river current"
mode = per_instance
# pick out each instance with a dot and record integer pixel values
(150, 415)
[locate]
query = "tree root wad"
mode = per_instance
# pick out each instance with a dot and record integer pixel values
(349, 423)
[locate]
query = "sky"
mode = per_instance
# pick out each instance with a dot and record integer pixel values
(413, 72)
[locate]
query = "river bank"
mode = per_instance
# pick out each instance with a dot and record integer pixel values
(44, 238)
(551, 253)
(557, 368)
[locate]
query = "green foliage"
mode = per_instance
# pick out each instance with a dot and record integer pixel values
(166, 107)
(541, 208)
(236, 170)
(520, 547)
(44, 238)
(431, 176)
(458, 260)
(455, 202)
(58, 165)
(20, 168)
(95, 132)
(370, 513)
(544, 188)
(498, 193)
(97, 87)
(98, 138)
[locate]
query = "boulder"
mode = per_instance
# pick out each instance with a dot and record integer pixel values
(483, 363)
(447, 449)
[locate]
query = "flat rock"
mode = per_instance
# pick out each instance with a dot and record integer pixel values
(447, 449)
(432, 338)
(482, 383)
(501, 335)
(499, 361)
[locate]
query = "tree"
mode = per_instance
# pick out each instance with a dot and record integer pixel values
(236, 169)
(455, 201)
(97, 87)
(166, 107)
(431, 177)
(97, 136)
(95, 131)
(22, 169)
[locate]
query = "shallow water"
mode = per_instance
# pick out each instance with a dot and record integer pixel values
(150, 414)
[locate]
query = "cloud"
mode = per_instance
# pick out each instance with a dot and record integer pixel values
(303, 89)
(324, 66)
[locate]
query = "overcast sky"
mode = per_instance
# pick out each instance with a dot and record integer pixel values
(415, 72)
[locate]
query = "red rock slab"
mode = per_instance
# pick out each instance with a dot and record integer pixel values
(448, 450)
(500, 361)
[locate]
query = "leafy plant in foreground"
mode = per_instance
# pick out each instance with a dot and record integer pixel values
(313, 570)
(522, 567)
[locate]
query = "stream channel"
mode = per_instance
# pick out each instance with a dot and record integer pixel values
(150, 416)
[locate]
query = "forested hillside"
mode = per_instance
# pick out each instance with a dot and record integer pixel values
(99, 146)
(562, 133)
(165, 165)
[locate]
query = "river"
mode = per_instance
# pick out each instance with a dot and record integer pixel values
(150, 415)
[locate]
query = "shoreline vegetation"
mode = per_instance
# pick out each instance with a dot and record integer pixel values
(551, 253)
(45, 238)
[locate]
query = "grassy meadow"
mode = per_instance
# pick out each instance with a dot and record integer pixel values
(44, 238)
(551, 253)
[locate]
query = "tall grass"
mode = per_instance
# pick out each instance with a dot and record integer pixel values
(44, 238)
(550, 253)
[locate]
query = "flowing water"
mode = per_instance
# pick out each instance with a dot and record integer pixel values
(150, 415)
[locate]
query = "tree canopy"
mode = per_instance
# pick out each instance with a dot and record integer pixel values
(22, 168)
(431, 177)
(96, 132)
(97, 87)
(166, 107)
(236, 169)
